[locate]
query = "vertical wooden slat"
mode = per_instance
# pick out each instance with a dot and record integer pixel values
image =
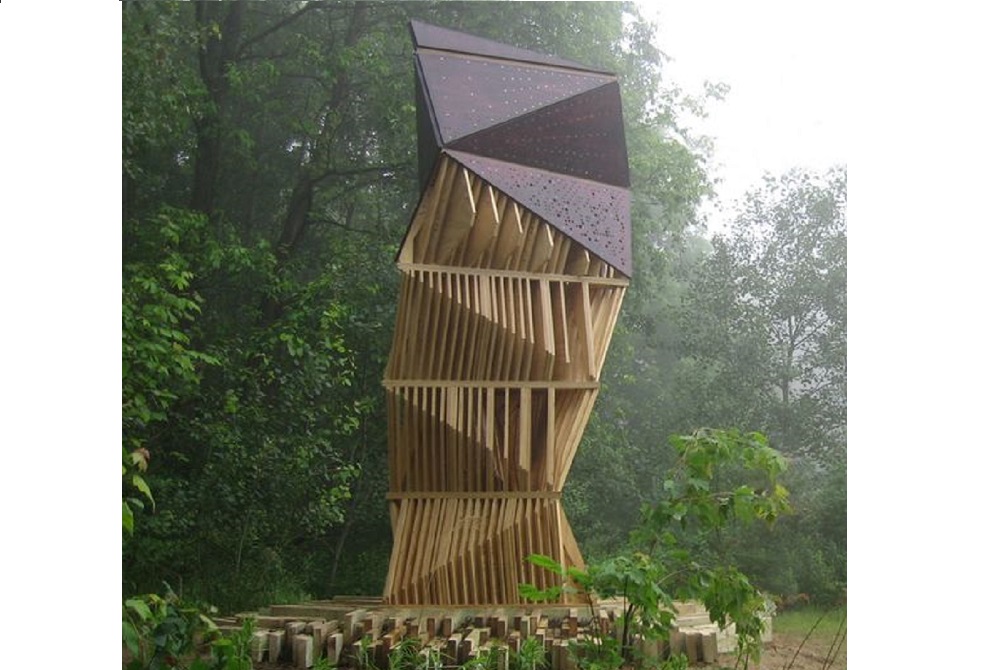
(550, 440)
(588, 329)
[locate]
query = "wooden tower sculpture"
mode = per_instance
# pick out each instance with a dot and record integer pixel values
(514, 268)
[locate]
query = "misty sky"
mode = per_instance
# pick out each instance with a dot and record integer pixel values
(784, 61)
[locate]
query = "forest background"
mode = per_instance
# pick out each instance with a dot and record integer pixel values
(268, 176)
(923, 127)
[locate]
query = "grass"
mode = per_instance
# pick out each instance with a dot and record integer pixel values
(800, 621)
(820, 628)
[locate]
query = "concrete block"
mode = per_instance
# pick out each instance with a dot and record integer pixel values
(334, 647)
(727, 639)
(320, 631)
(503, 657)
(559, 652)
(382, 648)
(258, 645)
(275, 642)
(451, 650)
(692, 643)
(709, 647)
(352, 623)
(302, 651)
(293, 628)
(677, 644)
(651, 649)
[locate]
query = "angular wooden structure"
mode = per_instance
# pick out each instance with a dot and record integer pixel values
(514, 269)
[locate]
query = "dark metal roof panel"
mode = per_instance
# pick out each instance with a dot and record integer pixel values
(582, 136)
(471, 94)
(594, 214)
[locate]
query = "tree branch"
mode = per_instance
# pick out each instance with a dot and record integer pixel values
(276, 27)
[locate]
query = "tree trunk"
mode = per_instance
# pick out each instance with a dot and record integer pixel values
(213, 61)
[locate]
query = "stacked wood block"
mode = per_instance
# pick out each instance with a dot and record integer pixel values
(346, 630)
(512, 280)
(345, 634)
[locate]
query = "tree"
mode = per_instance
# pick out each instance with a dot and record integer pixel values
(767, 314)
(719, 477)
(764, 342)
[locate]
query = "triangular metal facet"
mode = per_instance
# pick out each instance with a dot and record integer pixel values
(581, 136)
(594, 214)
(470, 94)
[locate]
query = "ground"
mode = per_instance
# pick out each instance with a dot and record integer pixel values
(779, 653)
(776, 655)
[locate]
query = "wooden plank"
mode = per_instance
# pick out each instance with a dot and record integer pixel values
(550, 438)
(526, 343)
(522, 256)
(458, 218)
(519, 338)
(510, 236)
(524, 434)
(444, 335)
(489, 383)
(576, 434)
(465, 315)
(588, 329)
(523, 494)
(542, 248)
(616, 311)
(548, 332)
(577, 261)
(426, 219)
(562, 321)
(491, 407)
(485, 227)
(517, 274)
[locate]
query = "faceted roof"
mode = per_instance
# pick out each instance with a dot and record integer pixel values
(546, 131)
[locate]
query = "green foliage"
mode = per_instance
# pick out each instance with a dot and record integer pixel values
(720, 477)
(406, 655)
(166, 632)
(364, 658)
(531, 656)
(233, 652)
(596, 653)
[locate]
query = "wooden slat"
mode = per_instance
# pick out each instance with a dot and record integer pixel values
(462, 495)
(519, 274)
(588, 329)
(524, 432)
(478, 383)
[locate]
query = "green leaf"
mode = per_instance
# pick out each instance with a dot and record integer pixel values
(546, 562)
(130, 636)
(143, 487)
(139, 607)
(128, 521)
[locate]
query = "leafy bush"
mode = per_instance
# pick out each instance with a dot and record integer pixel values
(166, 632)
(656, 570)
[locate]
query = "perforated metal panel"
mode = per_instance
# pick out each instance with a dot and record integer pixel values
(594, 214)
(546, 131)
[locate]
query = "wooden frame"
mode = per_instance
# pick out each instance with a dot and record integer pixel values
(502, 328)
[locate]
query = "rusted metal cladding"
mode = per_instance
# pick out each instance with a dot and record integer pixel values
(514, 268)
